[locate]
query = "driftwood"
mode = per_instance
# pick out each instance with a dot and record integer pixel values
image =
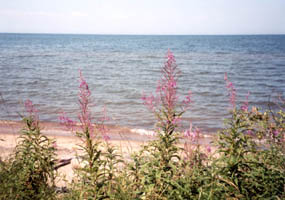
(61, 163)
(58, 163)
(1, 162)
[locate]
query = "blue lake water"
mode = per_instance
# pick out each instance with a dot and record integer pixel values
(119, 68)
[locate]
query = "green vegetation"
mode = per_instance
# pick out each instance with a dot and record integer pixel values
(29, 173)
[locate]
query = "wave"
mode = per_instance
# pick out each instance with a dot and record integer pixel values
(143, 132)
(33, 55)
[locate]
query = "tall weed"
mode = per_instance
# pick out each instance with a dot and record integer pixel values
(96, 176)
(30, 171)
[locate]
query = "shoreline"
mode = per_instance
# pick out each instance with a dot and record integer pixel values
(126, 141)
(66, 144)
(115, 132)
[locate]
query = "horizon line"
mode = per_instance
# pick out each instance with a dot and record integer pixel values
(136, 34)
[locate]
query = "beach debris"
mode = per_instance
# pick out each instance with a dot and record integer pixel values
(61, 163)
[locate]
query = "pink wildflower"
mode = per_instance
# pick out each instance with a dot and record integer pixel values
(192, 135)
(250, 132)
(54, 145)
(105, 117)
(166, 87)
(169, 82)
(166, 92)
(208, 149)
(232, 91)
(33, 112)
(164, 104)
(106, 138)
(176, 121)
(84, 100)
(149, 101)
(275, 133)
(104, 132)
(64, 120)
(188, 132)
(188, 100)
(88, 128)
(30, 107)
(244, 107)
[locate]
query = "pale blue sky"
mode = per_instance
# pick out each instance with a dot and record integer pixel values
(143, 16)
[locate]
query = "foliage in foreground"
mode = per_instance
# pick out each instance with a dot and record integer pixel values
(249, 161)
(96, 176)
(251, 158)
(29, 172)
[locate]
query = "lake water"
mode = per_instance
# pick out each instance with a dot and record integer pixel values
(119, 68)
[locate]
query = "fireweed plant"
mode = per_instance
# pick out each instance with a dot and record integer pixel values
(30, 171)
(251, 160)
(96, 175)
(156, 170)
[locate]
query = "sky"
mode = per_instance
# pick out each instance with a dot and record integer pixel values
(186, 17)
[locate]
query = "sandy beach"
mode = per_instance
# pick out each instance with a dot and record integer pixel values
(124, 139)
(66, 142)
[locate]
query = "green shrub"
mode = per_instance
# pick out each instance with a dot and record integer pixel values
(29, 173)
(250, 163)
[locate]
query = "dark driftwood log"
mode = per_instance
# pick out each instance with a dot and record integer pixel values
(61, 163)
(1, 162)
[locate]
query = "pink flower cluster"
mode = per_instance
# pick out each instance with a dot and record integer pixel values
(64, 120)
(244, 107)
(166, 92)
(167, 87)
(232, 91)
(30, 108)
(149, 101)
(33, 112)
(192, 135)
(275, 133)
(84, 97)
(208, 149)
(84, 115)
(187, 101)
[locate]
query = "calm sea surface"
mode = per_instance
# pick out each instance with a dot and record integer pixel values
(44, 68)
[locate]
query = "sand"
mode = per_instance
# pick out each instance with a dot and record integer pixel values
(127, 141)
